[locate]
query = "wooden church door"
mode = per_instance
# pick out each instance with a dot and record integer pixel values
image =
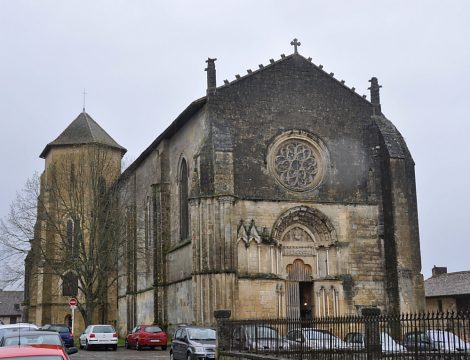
(299, 290)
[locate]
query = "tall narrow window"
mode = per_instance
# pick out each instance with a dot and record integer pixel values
(148, 225)
(78, 238)
(184, 211)
(70, 234)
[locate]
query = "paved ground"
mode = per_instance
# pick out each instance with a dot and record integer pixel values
(121, 353)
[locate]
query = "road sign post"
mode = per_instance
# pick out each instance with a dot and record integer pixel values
(73, 305)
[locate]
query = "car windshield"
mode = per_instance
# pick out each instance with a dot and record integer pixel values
(58, 328)
(316, 335)
(107, 329)
(153, 329)
(262, 332)
(201, 334)
(33, 340)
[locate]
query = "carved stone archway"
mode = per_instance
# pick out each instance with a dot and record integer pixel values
(312, 219)
(305, 235)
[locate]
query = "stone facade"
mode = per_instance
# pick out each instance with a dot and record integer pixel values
(282, 193)
(301, 199)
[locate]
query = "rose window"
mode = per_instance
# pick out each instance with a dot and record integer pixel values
(298, 160)
(295, 165)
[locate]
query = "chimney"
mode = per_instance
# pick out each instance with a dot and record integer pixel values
(211, 79)
(375, 96)
(438, 270)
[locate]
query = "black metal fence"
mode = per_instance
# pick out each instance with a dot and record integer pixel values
(371, 336)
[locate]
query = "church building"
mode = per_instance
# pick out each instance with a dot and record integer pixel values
(280, 193)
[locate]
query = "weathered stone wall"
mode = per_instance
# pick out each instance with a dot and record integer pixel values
(351, 229)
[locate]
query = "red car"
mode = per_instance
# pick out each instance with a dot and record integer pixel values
(146, 336)
(23, 352)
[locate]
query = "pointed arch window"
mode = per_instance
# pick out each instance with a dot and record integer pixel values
(183, 201)
(73, 236)
(70, 233)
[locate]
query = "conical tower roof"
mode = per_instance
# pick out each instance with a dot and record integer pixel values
(83, 130)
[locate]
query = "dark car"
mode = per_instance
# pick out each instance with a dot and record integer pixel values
(146, 336)
(418, 341)
(193, 343)
(64, 332)
(35, 337)
(259, 338)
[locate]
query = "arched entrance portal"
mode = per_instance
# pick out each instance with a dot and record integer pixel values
(299, 290)
(308, 245)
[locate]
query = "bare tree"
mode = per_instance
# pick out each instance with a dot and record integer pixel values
(17, 231)
(75, 229)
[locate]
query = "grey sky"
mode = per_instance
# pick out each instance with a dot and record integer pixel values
(142, 62)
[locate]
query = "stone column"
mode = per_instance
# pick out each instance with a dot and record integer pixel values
(372, 333)
(223, 331)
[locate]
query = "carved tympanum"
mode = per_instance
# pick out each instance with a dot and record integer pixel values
(297, 234)
(295, 164)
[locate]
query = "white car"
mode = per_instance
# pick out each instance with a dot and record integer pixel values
(99, 336)
(447, 341)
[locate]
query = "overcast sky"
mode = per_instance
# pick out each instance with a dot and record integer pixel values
(142, 62)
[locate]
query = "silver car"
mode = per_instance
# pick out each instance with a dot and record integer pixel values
(193, 343)
(260, 338)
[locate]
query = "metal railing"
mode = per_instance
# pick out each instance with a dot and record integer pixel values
(371, 336)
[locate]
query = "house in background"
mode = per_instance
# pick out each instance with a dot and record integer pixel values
(447, 291)
(10, 306)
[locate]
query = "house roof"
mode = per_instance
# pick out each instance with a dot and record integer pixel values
(8, 299)
(449, 284)
(83, 130)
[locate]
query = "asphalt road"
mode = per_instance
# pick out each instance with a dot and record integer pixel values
(121, 353)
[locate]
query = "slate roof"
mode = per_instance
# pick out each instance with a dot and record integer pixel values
(83, 130)
(8, 299)
(450, 284)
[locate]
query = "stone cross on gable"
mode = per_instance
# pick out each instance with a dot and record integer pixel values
(295, 43)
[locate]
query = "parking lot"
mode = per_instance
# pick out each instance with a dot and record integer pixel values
(121, 353)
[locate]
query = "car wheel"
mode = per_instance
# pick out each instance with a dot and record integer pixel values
(80, 344)
(171, 356)
(164, 347)
(137, 346)
(114, 347)
(188, 357)
(87, 346)
(126, 345)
